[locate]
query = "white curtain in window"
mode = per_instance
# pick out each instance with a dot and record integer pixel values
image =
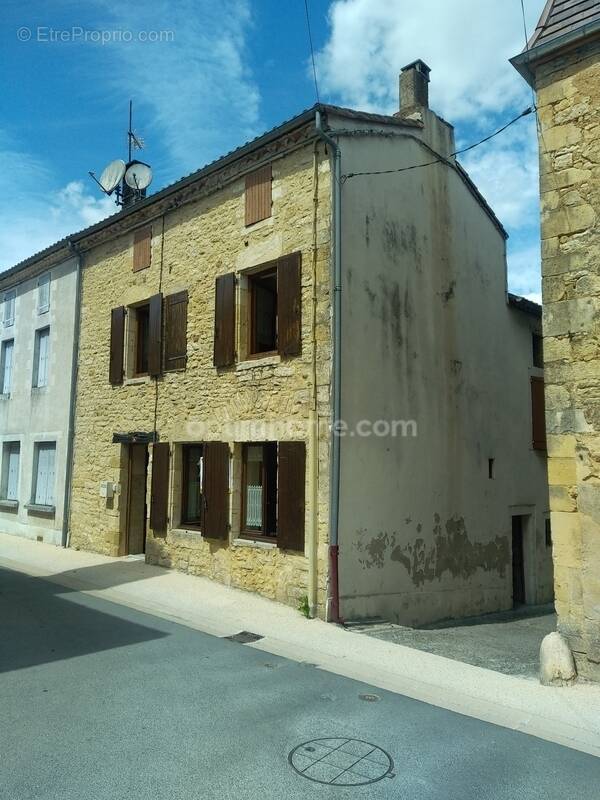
(44, 482)
(254, 507)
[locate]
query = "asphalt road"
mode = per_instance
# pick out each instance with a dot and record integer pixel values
(99, 702)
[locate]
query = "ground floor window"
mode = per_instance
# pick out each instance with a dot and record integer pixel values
(259, 490)
(11, 453)
(191, 499)
(43, 475)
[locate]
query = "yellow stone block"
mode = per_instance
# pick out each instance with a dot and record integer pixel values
(562, 471)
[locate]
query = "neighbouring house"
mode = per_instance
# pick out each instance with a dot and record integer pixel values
(562, 64)
(37, 335)
(305, 378)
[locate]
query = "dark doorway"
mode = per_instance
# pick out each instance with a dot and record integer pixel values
(518, 562)
(137, 480)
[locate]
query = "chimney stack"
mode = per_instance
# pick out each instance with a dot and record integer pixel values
(414, 88)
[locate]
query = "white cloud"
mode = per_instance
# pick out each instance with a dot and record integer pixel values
(467, 43)
(524, 272)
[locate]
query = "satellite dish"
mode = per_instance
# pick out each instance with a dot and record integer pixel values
(112, 175)
(138, 175)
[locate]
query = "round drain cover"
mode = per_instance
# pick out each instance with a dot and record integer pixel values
(341, 762)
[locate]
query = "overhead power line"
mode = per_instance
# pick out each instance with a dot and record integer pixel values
(442, 159)
(312, 51)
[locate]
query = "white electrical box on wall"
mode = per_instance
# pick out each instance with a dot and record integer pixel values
(107, 489)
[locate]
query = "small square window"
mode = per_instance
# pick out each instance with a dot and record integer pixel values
(192, 474)
(43, 296)
(259, 490)
(41, 357)
(262, 288)
(8, 312)
(11, 455)
(6, 365)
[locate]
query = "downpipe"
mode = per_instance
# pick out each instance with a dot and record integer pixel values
(333, 595)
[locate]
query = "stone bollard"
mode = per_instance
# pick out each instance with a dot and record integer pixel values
(557, 667)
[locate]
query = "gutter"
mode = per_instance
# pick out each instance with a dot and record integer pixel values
(65, 537)
(522, 62)
(333, 595)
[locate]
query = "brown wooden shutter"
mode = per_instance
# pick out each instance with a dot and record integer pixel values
(224, 344)
(142, 249)
(289, 305)
(117, 342)
(215, 490)
(259, 195)
(155, 335)
(176, 331)
(290, 496)
(538, 414)
(159, 492)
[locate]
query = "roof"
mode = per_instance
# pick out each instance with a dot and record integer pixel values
(563, 23)
(563, 16)
(523, 304)
(69, 243)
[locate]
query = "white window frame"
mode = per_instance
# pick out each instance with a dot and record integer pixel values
(44, 474)
(43, 293)
(11, 467)
(6, 365)
(41, 357)
(9, 307)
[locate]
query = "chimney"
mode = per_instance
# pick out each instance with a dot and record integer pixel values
(414, 88)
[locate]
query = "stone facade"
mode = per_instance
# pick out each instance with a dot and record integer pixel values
(568, 98)
(256, 400)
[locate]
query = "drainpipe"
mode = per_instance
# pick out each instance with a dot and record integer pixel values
(333, 595)
(65, 538)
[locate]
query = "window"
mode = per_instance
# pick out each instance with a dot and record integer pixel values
(538, 414)
(43, 475)
(141, 319)
(11, 452)
(491, 468)
(191, 499)
(43, 298)
(537, 344)
(258, 195)
(263, 312)
(142, 249)
(259, 500)
(6, 362)
(548, 531)
(40, 357)
(8, 314)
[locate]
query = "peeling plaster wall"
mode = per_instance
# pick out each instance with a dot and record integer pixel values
(428, 336)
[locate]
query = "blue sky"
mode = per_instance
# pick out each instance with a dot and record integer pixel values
(223, 72)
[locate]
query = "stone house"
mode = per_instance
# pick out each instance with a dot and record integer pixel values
(37, 336)
(303, 377)
(562, 64)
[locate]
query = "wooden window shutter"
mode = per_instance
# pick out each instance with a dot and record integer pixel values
(176, 331)
(215, 491)
(159, 491)
(538, 414)
(289, 305)
(290, 496)
(224, 344)
(258, 195)
(142, 248)
(155, 335)
(117, 342)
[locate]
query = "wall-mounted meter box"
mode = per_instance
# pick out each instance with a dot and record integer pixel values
(107, 489)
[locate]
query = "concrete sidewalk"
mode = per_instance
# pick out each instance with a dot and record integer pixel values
(567, 716)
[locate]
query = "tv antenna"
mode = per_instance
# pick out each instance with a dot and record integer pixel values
(130, 180)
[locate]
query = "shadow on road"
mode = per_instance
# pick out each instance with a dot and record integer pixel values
(40, 623)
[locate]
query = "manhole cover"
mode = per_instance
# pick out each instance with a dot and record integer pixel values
(244, 637)
(369, 698)
(341, 762)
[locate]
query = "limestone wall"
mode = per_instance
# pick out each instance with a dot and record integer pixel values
(568, 91)
(252, 401)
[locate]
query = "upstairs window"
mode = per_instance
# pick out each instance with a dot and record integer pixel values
(41, 357)
(537, 346)
(263, 312)
(192, 475)
(43, 294)
(6, 363)
(258, 195)
(8, 308)
(11, 455)
(142, 248)
(538, 414)
(141, 333)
